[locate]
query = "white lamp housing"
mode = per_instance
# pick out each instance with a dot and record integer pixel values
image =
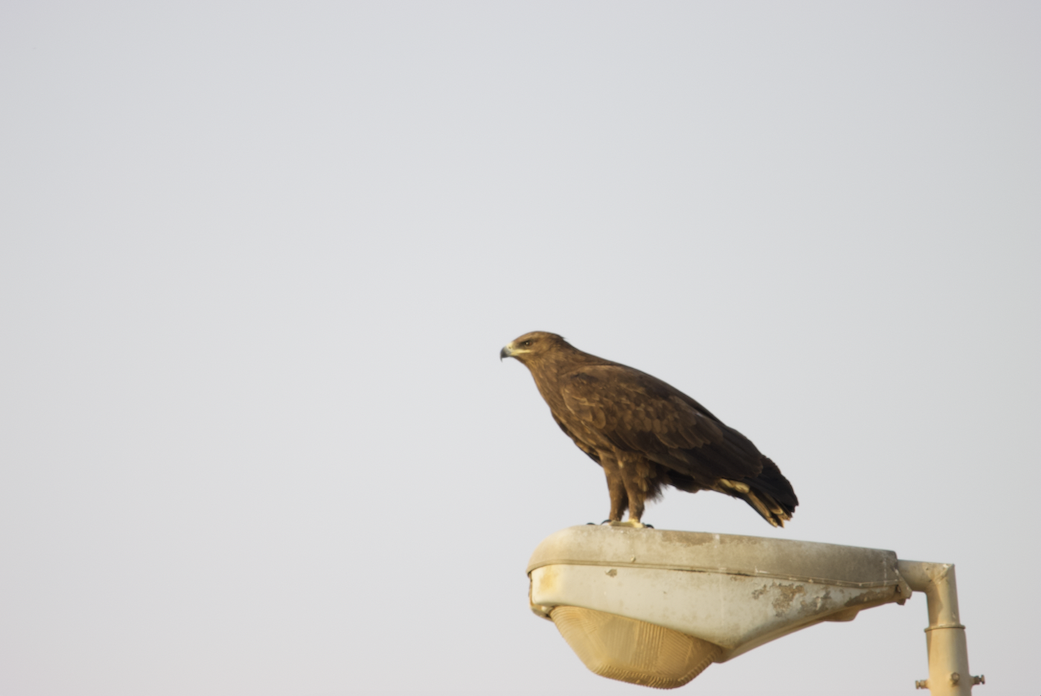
(656, 607)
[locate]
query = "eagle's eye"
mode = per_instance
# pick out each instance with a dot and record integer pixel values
(525, 344)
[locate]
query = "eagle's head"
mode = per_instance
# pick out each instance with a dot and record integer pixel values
(529, 347)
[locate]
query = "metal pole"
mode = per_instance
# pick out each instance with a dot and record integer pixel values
(945, 637)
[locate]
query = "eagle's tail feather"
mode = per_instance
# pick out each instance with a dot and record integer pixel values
(766, 506)
(769, 494)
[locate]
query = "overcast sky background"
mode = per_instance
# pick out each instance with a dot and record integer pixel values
(257, 261)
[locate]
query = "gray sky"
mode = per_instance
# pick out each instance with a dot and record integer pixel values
(257, 261)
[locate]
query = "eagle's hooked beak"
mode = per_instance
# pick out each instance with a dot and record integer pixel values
(505, 353)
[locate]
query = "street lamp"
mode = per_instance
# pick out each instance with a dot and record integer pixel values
(657, 607)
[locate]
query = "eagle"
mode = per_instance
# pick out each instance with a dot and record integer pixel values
(647, 434)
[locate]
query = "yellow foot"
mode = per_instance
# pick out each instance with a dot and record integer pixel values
(635, 524)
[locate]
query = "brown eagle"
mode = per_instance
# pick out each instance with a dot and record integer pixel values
(646, 434)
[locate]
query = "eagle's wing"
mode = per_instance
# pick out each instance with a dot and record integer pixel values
(639, 413)
(584, 446)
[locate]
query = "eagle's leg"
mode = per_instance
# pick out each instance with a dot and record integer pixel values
(636, 500)
(640, 479)
(616, 489)
(625, 492)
